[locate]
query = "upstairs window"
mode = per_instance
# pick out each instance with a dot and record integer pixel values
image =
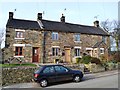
(54, 35)
(77, 37)
(19, 34)
(18, 51)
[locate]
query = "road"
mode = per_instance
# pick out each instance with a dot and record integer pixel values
(96, 80)
(103, 82)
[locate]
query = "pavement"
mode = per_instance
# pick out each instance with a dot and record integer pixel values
(86, 77)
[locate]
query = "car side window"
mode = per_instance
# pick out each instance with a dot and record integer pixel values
(61, 69)
(49, 70)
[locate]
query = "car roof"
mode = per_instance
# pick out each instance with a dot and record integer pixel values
(46, 65)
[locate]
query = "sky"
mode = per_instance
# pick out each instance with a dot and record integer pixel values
(78, 12)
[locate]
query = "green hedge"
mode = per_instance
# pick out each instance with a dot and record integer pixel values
(88, 59)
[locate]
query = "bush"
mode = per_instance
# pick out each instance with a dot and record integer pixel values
(86, 59)
(95, 60)
(78, 60)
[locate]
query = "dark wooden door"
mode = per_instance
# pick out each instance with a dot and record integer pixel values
(35, 54)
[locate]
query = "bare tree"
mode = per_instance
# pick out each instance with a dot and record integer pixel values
(114, 28)
(116, 33)
(1, 37)
(106, 25)
(1, 40)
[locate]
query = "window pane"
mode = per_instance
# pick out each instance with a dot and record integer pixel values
(18, 51)
(63, 69)
(77, 37)
(54, 36)
(77, 52)
(53, 51)
(19, 34)
(60, 69)
(57, 68)
(49, 70)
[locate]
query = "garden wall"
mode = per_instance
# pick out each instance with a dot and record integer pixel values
(17, 75)
(23, 74)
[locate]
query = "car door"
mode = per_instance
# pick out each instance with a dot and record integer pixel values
(49, 73)
(62, 73)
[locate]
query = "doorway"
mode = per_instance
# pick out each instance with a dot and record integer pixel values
(35, 54)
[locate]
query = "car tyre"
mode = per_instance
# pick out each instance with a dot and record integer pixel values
(76, 78)
(43, 83)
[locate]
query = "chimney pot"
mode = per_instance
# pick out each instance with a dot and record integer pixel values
(11, 15)
(96, 23)
(39, 17)
(62, 18)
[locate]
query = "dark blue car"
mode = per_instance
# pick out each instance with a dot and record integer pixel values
(55, 73)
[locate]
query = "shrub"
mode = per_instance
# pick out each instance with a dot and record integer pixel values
(86, 59)
(95, 60)
(78, 60)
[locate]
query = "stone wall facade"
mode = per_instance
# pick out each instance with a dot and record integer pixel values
(43, 41)
(67, 40)
(33, 38)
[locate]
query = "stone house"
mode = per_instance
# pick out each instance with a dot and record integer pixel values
(43, 41)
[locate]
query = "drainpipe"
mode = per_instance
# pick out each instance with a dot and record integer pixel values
(43, 46)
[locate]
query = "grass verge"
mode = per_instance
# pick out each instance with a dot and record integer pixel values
(17, 65)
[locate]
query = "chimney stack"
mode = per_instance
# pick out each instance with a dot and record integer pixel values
(96, 23)
(62, 19)
(39, 16)
(11, 15)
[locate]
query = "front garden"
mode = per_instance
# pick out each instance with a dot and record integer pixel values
(93, 64)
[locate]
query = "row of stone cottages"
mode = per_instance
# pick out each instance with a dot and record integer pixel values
(43, 41)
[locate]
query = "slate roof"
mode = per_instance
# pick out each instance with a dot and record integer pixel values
(97, 44)
(55, 26)
(75, 28)
(22, 24)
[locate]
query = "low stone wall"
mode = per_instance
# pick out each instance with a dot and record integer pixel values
(98, 68)
(17, 75)
(25, 74)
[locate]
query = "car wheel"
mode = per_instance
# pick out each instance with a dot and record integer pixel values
(77, 78)
(43, 83)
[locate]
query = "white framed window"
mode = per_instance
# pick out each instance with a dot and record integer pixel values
(20, 34)
(102, 50)
(18, 51)
(77, 37)
(77, 51)
(54, 35)
(55, 51)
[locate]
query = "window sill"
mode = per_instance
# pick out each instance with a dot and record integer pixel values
(78, 41)
(18, 56)
(77, 56)
(19, 38)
